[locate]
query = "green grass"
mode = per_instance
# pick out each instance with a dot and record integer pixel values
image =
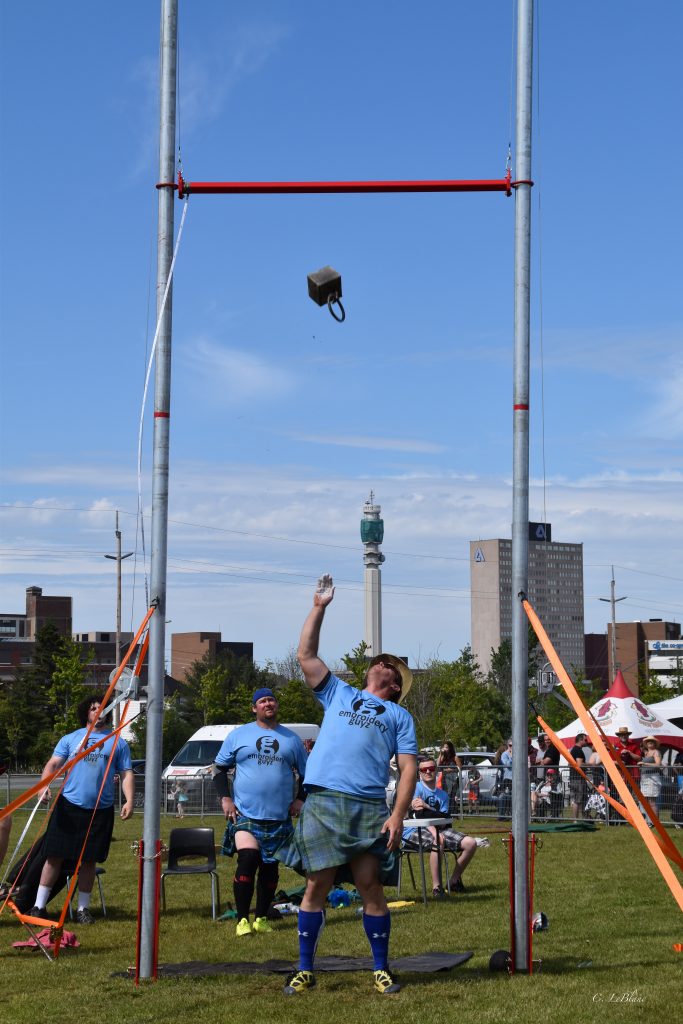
(605, 900)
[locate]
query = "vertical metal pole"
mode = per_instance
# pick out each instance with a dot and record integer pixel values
(612, 599)
(117, 710)
(162, 401)
(520, 483)
(118, 558)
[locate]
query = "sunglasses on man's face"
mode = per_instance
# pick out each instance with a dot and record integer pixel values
(428, 768)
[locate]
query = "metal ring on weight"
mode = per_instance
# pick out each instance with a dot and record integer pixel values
(335, 300)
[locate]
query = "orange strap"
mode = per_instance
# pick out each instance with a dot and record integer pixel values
(607, 760)
(43, 783)
(74, 876)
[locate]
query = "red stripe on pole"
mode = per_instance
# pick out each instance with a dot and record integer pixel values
(521, 406)
(161, 415)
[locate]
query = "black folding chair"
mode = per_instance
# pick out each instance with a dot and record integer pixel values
(198, 844)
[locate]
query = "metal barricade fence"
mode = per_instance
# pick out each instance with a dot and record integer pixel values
(473, 790)
(564, 795)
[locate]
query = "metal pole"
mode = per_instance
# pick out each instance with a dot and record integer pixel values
(520, 484)
(162, 402)
(118, 558)
(613, 601)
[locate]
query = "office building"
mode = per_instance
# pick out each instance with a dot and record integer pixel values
(555, 591)
(186, 648)
(633, 642)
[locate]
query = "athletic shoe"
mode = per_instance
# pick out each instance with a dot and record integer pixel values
(37, 912)
(438, 893)
(243, 927)
(83, 916)
(299, 981)
(261, 925)
(385, 983)
(457, 885)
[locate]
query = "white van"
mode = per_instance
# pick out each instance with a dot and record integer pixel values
(195, 758)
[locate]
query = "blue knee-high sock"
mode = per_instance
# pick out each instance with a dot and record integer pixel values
(311, 924)
(377, 930)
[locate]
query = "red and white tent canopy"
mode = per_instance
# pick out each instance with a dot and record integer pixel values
(619, 707)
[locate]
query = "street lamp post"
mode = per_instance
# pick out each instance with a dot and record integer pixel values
(118, 558)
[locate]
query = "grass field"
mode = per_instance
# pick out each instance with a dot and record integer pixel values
(608, 907)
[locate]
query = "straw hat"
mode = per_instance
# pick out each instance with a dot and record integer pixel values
(623, 731)
(650, 739)
(397, 663)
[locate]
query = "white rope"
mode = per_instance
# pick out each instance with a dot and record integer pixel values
(22, 837)
(149, 370)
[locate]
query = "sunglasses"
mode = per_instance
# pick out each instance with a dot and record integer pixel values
(428, 768)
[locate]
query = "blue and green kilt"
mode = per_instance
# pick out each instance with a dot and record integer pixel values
(333, 829)
(270, 835)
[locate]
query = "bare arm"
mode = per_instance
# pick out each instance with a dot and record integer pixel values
(50, 768)
(128, 787)
(313, 667)
(407, 766)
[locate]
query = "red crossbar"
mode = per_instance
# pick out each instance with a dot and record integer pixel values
(300, 187)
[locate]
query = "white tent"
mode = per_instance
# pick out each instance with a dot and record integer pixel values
(619, 707)
(671, 709)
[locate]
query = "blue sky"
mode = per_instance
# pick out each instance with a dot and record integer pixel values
(282, 420)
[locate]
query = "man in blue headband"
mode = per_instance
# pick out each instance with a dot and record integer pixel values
(264, 756)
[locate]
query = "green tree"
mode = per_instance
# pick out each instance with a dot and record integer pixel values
(218, 690)
(451, 700)
(651, 689)
(176, 731)
(500, 673)
(67, 689)
(26, 715)
(357, 664)
(297, 703)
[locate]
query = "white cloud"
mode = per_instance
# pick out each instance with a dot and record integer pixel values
(247, 542)
(375, 443)
(231, 374)
(666, 417)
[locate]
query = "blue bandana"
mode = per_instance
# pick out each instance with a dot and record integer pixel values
(263, 692)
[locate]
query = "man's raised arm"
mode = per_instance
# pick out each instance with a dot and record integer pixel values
(313, 668)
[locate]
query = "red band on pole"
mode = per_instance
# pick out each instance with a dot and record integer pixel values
(521, 407)
(162, 415)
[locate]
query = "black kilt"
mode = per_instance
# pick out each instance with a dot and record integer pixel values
(67, 828)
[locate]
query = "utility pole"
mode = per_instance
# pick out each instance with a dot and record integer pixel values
(520, 484)
(372, 535)
(613, 601)
(118, 558)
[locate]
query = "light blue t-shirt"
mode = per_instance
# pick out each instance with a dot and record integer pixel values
(359, 735)
(263, 759)
(85, 778)
(435, 798)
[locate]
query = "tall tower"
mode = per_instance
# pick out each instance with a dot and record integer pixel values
(372, 535)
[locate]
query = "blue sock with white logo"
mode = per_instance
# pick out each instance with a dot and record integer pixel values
(311, 924)
(377, 930)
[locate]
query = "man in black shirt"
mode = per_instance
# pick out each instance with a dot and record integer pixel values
(577, 786)
(548, 757)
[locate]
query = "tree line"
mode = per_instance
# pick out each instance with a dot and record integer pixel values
(449, 700)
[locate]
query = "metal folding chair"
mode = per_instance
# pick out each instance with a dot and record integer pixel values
(193, 843)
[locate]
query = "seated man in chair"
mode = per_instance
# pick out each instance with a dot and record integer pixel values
(431, 802)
